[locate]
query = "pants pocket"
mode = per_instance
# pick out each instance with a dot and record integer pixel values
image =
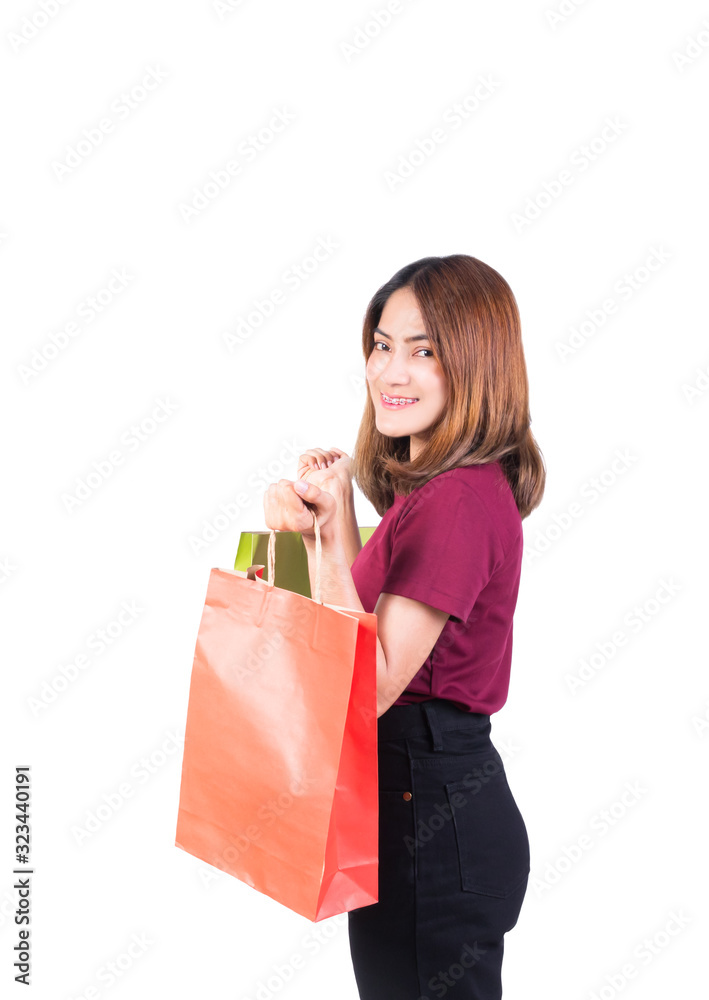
(490, 833)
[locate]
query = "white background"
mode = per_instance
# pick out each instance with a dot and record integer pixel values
(240, 413)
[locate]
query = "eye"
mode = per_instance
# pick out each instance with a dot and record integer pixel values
(382, 343)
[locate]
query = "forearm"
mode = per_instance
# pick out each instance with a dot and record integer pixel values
(349, 529)
(337, 587)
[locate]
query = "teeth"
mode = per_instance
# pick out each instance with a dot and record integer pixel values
(400, 400)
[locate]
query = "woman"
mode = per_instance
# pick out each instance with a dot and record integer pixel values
(446, 456)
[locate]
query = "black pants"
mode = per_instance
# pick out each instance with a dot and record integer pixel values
(453, 860)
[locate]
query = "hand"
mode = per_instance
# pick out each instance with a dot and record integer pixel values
(335, 474)
(285, 509)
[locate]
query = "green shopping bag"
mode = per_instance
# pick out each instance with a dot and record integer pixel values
(291, 558)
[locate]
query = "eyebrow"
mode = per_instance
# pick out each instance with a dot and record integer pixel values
(407, 340)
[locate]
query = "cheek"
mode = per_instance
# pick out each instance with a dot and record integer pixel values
(435, 385)
(375, 366)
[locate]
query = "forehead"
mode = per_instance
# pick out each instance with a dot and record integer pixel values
(401, 318)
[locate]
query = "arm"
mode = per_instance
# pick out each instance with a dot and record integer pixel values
(349, 529)
(407, 630)
(330, 471)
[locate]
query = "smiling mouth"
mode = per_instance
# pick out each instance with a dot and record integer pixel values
(400, 401)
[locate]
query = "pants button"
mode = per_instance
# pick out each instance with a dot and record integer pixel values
(407, 796)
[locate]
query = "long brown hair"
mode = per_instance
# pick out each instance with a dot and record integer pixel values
(471, 318)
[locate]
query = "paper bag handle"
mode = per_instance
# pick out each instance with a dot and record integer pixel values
(318, 551)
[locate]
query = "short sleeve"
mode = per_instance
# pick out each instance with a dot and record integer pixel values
(445, 549)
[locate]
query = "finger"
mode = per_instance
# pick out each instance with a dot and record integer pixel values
(318, 503)
(326, 458)
(314, 458)
(309, 495)
(321, 457)
(281, 515)
(301, 487)
(287, 507)
(307, 470)
(271, 508)
(308, 507)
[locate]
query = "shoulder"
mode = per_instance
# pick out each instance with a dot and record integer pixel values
(487, 481)
(480, 492)
(484, 484)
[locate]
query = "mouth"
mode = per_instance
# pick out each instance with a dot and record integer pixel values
(392, 402)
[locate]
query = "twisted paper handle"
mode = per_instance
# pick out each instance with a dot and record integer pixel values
(318, 552)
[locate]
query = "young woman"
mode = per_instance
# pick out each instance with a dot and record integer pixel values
(446, 456)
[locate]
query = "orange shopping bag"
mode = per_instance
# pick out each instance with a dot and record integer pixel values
(279, 783)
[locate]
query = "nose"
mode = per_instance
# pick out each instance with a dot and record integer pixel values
(392, 372)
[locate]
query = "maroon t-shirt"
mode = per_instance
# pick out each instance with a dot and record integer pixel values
(455, 544)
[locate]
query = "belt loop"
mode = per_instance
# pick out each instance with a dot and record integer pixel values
(436, 737)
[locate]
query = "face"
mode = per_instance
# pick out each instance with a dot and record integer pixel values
(405, 369)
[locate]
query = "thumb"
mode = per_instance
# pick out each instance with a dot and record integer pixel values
(310, 493)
